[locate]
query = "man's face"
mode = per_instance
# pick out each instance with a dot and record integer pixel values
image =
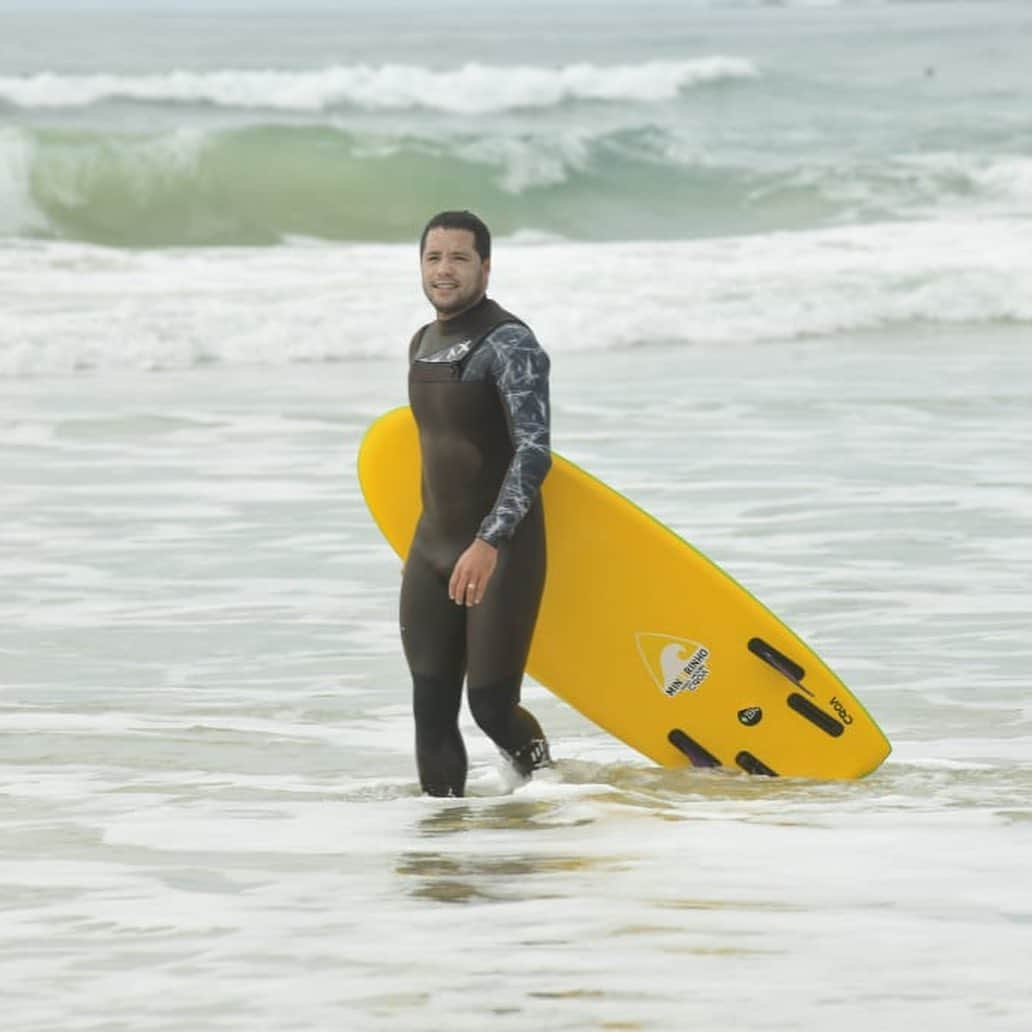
(454, 277)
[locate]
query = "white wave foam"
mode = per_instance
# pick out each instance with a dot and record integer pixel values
(524, 163)
(919, 185)
(18, 213)
(472, 89)
(1008, 181)
(70, 307)
(145, 166)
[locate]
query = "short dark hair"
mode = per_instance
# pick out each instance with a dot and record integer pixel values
(460, 220)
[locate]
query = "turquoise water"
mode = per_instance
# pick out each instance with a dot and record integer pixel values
(694, 120)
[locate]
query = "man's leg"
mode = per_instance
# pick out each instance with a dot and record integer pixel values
(433, 632)
(498, 636)
(496, 709)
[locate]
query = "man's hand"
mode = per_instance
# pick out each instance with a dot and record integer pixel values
(472, 572)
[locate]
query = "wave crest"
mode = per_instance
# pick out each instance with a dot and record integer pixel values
(472, 89)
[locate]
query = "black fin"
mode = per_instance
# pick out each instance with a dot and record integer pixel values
(779, 661)
(825, 721)
(751, 765)
(699, 756)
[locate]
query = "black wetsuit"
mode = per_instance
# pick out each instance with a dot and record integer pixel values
(478, 386)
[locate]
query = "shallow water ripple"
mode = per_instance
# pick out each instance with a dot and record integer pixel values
(209, 811)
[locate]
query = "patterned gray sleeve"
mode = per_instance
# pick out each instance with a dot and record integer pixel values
(512, 358)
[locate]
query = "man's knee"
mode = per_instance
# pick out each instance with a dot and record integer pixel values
(493, 706)
(435, 703)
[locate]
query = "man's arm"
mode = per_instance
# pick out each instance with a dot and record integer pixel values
(519, 367)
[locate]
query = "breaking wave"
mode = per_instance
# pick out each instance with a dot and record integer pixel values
(261, 185)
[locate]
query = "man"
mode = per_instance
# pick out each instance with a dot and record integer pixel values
(478, 387)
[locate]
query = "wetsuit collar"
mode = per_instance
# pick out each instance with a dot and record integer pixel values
(467, 330)
(465, 322)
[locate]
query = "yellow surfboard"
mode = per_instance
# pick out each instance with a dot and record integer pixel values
(648, 638)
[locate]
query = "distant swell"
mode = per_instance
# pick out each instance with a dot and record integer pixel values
(472, 89)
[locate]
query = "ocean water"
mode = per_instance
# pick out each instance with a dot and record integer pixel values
(781, 256)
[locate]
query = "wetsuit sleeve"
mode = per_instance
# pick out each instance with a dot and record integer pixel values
(519, 367)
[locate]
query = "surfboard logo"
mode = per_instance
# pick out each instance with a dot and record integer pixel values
(750, 716)
(676, 664)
